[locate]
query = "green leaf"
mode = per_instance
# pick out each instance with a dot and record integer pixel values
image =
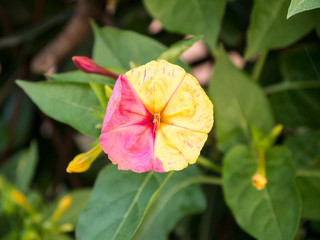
(69, 103)
(117, 48)
(20, 169)
(317, 21)
(271, 213)
(305, 150)
(118, 203)
(175, 50)
(270, 29)
(297, 6)
(239, 104)
(296, 100)
(181, 196)
(198, 17)
(81, 77)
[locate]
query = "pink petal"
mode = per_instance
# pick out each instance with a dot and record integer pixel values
(127, 132)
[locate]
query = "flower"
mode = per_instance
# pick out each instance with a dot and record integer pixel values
(157, 118)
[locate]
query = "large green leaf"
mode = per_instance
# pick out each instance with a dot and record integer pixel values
(270, 29)
(271, 213)
(305, 150)
(190, 16)
(118, 204)
(297, 6)
(69, 103)
(239, 104)
(181, 196)
(20, 168)
(296, 100)
(117, 48)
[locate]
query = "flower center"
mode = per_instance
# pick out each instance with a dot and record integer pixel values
(156, 121)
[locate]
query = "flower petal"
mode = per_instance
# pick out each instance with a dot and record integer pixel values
(124, 107)
(155, 82)
(177, 147)
(189, 107)
(127, 132)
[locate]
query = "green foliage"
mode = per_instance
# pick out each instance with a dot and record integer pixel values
(118, 204)
(294, 100)
(298, 6)
(271, 213)
(125, 204)
(118, 48)
(282, 46)
(305, 150)
(239, 104)
(70, 103)
(268, 21)
(180, 196)
(190, 17)
(20, 168)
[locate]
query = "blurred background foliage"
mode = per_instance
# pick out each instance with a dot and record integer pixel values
(39, 37)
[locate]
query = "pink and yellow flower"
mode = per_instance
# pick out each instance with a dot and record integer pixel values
(157, 118)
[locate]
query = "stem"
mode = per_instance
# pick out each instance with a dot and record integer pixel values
(291, 86)
(261, 164)
(206, 163)
(259, 66)
(210, 180)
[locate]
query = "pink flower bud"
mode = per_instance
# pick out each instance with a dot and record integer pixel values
(87, 65)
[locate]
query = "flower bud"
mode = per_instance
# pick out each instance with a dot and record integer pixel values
(21, 200)
(83, 161)
(259, 181)
(87, 65)
(63, 206)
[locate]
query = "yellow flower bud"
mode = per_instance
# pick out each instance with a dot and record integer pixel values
(259, 181)
(276, 131)
(63, 206)
(83, 161)
(21, 200)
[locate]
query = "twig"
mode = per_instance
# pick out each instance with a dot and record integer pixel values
(73, 34)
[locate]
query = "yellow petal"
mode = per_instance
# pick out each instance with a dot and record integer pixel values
(189, 107)
(177, 147)
(155, 83)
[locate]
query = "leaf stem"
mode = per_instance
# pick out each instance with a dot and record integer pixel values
(291, 86)
(210, 180)
(206, 163)
(259, 66)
